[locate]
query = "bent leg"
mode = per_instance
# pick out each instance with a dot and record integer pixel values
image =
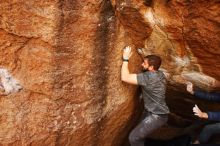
(208, 131)
(144, 128)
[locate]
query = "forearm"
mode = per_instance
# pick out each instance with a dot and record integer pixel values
(124, 71)
(207, 96)
(125, 74)
(204, 115)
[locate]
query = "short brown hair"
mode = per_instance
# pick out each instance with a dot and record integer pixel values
(154, 60)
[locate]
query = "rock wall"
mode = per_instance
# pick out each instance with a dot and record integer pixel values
(67, 57)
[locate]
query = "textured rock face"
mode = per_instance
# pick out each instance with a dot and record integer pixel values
(67, 57)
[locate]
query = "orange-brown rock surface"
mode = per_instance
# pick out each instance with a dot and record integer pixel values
(67, 57)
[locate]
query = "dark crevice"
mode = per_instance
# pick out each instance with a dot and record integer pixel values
(148, 3)
(57, 49)
(103, 44)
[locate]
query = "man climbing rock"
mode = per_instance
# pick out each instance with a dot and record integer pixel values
(153, 85)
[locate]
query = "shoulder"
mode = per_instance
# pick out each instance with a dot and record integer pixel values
(146, 73)
(161, 73)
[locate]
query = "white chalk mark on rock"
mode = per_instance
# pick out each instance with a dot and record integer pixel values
(8, 84)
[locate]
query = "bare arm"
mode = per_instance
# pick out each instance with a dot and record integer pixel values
(126, 76)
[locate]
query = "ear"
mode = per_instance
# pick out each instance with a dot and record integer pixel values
(151, 68)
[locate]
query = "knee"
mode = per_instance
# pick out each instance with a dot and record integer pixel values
(133, 138)
(207, 129)
(205, 135)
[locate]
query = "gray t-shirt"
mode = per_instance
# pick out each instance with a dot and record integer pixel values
(153, 85)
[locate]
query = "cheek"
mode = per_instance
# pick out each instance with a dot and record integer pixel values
(145, 65)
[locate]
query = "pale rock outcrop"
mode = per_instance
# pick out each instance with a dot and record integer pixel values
(8, 84)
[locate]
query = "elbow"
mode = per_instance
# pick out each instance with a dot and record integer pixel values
(123, 78)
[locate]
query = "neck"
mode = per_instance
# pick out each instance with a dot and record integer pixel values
(153, 70)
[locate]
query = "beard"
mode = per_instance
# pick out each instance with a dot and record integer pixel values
(145, 69)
